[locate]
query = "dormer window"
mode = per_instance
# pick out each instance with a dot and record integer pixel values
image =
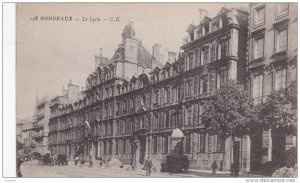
(205, 29)
(220, 23)
(191, 34)
(157, 76)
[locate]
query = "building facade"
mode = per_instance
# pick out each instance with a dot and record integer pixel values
(131, 108)
(40, 128)
(272, 57)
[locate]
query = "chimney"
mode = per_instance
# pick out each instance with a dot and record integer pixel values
(157, 51)
(202, 13)
(100, 60)
(171, 56)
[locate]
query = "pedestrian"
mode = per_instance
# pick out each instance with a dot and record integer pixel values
(90, 161)
(81, 160)
(214, 166)
(19, 162)
(100, 161)
(76, 160)
(148, 166)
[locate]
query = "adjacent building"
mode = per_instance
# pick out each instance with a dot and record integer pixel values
(133, 106)
(272, 58)
(40, 128)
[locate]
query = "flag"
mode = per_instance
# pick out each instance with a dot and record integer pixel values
(87, 124)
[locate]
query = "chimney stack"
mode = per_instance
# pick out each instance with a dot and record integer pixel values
(202, 13)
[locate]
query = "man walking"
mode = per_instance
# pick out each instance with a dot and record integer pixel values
(148, 165)
(19, 162)
(214, 166)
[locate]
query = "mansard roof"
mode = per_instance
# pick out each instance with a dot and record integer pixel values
(143, 56)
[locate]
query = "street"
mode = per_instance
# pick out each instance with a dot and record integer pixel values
(33, 169)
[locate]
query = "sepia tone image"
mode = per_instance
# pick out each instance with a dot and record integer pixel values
(156, 90)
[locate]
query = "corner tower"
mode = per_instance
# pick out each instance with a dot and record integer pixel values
(131, 57)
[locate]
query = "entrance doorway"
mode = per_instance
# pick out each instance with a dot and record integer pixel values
(142, 150)
(236, 153)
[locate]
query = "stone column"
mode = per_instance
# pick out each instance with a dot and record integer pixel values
(113, 151)
(93, 154)
(99, 147)
(194, 145)
(150, 145)
(147, 148)
(137, 154)
(247, 144)
(228, 154)
(270, 145)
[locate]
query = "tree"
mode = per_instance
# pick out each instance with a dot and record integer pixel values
(280, 110)
(229, 112)
(279, 113)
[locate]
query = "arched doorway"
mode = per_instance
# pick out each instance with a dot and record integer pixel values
(177, 142)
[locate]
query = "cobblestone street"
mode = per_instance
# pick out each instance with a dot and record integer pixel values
(33, 169)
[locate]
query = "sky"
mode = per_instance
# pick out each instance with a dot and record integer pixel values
(51, 53)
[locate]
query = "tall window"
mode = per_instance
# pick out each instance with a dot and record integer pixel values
(191, 60)
(282, 9)
(168, 94)
(259, 15)
(165, 144)
(281, 40)
(258, 48)
(222, 49)
(167, 119)
(212, 81)
(258, 88)
(199, 113)
(204, 85)
(106, 92)
(213, 51)
(154, 149)
(220, 143)
(189, 86)
(189, 115)
(156, 96)
(105, 147)
(280, 79)
(188, 143)
(124, 146)
(204, 55)
(222, 75)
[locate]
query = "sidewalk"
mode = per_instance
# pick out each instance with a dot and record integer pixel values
(191, 173)
(207, 173)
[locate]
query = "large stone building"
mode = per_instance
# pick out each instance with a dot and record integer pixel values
(132, 108)
(272, 57)
(40, 128)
